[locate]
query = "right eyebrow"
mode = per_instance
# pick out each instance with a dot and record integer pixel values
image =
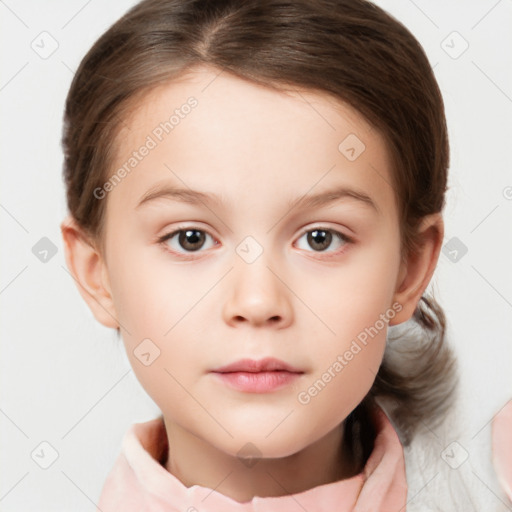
(179, 194)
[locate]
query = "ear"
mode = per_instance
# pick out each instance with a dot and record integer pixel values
(416, 273)
(89, 271)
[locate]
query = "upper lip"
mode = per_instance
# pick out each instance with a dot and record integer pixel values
(262, 365)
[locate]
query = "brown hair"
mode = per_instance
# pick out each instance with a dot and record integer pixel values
(350, 49)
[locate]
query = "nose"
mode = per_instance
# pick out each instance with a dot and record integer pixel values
(257, 296)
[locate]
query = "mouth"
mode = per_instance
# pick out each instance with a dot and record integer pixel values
(268, 364)
(252, 376)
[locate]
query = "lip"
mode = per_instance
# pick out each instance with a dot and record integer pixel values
(268, 364)
(262, 376)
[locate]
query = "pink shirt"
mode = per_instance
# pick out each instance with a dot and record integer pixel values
(138, 482)
(502, 447)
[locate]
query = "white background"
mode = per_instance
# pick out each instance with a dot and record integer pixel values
(65, 378)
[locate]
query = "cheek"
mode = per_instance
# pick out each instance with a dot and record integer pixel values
(351, 296)
(342, 379)
(354, 301)
(151, 295)
(159, 310)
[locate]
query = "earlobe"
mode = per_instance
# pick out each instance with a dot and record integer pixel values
(89, 272)
(416, 273)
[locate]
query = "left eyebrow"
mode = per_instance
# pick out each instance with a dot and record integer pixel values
(331, 196)
(190, 196)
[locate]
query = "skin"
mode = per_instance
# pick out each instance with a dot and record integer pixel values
(257, 149)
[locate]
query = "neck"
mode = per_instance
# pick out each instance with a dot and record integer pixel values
(196, 462)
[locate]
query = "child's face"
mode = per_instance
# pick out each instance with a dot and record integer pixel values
(256, 151)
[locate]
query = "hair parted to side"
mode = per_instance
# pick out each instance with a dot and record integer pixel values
(349, 49)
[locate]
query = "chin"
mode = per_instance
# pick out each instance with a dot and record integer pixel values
(255, 445)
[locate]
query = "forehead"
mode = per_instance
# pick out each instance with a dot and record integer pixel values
(241, 139)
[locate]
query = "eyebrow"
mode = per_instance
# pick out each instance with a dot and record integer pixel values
(190, 196)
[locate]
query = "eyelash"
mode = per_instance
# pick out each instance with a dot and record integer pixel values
(190, 255)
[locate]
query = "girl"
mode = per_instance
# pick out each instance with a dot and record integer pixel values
(255, 193)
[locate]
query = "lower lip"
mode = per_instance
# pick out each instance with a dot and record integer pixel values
(258, 382)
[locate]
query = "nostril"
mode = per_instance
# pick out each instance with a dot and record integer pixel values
(273, 319)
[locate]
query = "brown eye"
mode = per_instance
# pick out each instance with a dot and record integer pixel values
(191, 239)
(320, 240)
(187, 240)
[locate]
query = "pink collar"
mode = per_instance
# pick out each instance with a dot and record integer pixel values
(502, 447)
(139, 482)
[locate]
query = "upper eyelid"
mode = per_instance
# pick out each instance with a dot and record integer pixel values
(348, 238)
(321, 226)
